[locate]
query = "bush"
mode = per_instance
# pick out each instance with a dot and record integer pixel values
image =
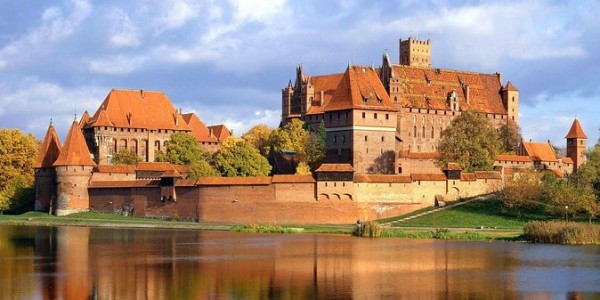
(255, 228)
(558, 232)
(368, 229)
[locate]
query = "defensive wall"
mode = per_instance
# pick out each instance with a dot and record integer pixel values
(286, 199)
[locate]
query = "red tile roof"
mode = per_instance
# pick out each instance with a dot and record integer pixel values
(115, 169)
(84, 119)
(380, 178)
(234, 181)
(519, 158)
(540, 151)
(428, 177)
(220, 132)
(75, 151)
(335, 168)
(327, 84)
(567, 160)
(360, 88)
(154, 166)
(150, 110)
(50, 149)
(429, 88)
(199, 129)
(576, 132)
(452, 167)
(468, 177)
(292, 179)
(487, 175)
(511, 87)
(123, 184)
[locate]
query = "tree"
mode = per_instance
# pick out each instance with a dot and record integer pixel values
(182, 149)
(202, 169)
(470, 141)
(17, 155)
(239, 158)
(125, 157)
(258, 136)
(303, 169)
(293, 136)
(523, 192)
(510, 136)
(315, 147)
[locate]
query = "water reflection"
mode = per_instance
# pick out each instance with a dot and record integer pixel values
(81, 262)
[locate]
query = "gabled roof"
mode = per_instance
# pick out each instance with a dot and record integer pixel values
(199, 129)
(510, 87)
(567, 160)
(75, 151)
(540, 151)
(326, 84)
(516, 158)
(154, 166)
(84, 119)
(220, 132)
(576, 132)
(360, 88)
(429, 88)
(150, 110)
(50, 149)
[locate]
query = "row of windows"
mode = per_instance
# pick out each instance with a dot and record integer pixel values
(423, 134)
(347, 115)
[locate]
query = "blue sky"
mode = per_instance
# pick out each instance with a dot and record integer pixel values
(228, 60)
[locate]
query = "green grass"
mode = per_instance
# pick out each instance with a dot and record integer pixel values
(486, 213)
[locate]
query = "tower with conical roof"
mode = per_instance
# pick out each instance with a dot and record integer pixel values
(74, 167)
(45, 174)
(576, 144)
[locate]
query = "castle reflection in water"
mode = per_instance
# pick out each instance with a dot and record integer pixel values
(83, 262)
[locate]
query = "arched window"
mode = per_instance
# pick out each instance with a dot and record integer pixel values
(156, 145)
(423, 133)
(133, 146)
(415, 131)
(113, 147)
(144, 150)
(122, 144)
(432, 132)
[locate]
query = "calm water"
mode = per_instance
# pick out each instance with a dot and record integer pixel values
(81, 263)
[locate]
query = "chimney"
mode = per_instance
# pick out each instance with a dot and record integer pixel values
(322, 97)
(210, 132)
(142, 93)
(499, 77)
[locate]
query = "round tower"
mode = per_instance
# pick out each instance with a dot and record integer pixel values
(45, 174)
(74, 168)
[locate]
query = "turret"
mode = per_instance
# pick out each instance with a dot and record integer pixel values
(576, 144)
(73, 172)
(45, 174)
(415, 52)
(510, 99)
(286, 102)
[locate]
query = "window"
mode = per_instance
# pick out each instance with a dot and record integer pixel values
(432, 132)
(346, 115)
(335, 139)
(423, 133)
(338, 115)
(365, 138)
(364, 115)
(387, 116)
(375, 116)
(395, 99)
(330, 117)
(382, 138)
(343, 139)
(415, 131)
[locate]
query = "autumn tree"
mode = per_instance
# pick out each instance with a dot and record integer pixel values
(309, 147)
(239, 158)
(315, 147)
(258, 136)
(303, 169)
(183, 149)
(125, 157)
(471, 141)
(18, 152)
(522, 192)
(510, 136)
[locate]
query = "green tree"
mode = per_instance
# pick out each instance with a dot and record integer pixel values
(18, 152)
(202, 169)
(315, 147)
(239, 158)
(182, 149)
(258, 136)
(510, 136)
(471, 141)
(125, 157)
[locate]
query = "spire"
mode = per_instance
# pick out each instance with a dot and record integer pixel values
(84, 119)
(50, 149)
(576, 132)
(510, 87)
(75, 151)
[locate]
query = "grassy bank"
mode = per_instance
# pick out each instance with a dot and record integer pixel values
(558, 232)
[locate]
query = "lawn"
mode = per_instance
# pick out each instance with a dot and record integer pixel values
(486, 213)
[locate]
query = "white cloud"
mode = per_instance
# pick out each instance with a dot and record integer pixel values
(116, 65)
(124, 32)
(53, 28)
(174, 14)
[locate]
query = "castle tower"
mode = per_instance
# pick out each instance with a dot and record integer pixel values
(360, 122)
(510, 99)
(286, 102)
(415, 52)
(45, 174)
(576, 145)
(73, 172)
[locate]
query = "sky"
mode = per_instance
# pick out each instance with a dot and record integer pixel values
(228, 60)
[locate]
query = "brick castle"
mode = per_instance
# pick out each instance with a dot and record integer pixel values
(383, 126)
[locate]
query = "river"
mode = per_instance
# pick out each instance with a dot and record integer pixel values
(100, 263)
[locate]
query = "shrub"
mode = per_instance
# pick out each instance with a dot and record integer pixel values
(368, 229)
(255, 228)
(558, 232)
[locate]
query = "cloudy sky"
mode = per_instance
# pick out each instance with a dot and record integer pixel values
(228, 60)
